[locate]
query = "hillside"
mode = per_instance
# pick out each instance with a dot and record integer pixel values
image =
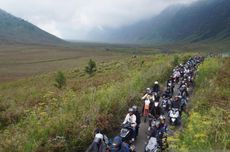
(34, 114)
(17, 30)
(202, 20)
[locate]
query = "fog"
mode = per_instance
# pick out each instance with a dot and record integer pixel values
(73, 19)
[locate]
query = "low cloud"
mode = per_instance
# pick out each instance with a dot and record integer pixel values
(73, 19)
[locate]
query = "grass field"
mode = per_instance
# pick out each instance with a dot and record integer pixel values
(34, 113)
(20, 61)
(37, 116)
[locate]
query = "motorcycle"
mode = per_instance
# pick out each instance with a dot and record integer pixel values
(126, 133)
(152, 145)
(165, 104)
(174, 116)
(152, 123)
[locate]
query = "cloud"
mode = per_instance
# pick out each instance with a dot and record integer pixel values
(73, 19)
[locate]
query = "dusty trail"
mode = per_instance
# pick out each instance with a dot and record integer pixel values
(142, 137)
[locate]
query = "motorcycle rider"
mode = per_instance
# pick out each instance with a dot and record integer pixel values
(163, 123)
(98, 133)
(176, 104)
(164, 128)
(131, 118)
(138, 116)
(168, 92)
(98, 144)
(183, 91)
(118, 145)
(156, 90)
(156, 111)
(156, 87)
(158, 133)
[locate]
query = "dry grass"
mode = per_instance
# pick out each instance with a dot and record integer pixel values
(20, 61)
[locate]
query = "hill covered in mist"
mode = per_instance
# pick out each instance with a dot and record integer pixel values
(201, 21)
(17, 30)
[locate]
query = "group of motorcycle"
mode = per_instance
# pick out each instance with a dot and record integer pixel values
(158, 108)
(124, 142)
(169, 105)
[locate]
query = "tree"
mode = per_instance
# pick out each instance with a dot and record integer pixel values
(60, 80)
(91, 67)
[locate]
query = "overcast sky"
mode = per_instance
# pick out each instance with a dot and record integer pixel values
(72, 19)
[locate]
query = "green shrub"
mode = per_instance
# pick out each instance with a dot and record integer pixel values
(91, 67)
(175, 61)
(60, 80)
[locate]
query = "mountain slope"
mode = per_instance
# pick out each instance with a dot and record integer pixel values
(16, 30)
(202, 20)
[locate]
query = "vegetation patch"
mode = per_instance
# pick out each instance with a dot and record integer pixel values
(207, 127)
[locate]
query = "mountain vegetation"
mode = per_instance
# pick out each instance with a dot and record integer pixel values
(207, 127)
(17, 30)
(206, 20)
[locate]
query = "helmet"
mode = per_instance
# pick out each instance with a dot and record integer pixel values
(156, 82)
(183, 86)
(131, 110)
(157, 123)
(99, 135)
(134, 107)
(148, 90)
(116, 145)
(162, 117)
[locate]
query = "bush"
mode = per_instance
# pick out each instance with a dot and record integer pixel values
(175, 61)
(60, 80)
(91, 67)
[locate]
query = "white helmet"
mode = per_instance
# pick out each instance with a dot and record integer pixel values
(131, 110)
(156, 82)
(134, 108)
(99, 135)
(162, 117)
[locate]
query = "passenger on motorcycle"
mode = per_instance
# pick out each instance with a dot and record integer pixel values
(148, 99)
(119, 146)
(156, 87)
(131, 118)
(148, 95)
